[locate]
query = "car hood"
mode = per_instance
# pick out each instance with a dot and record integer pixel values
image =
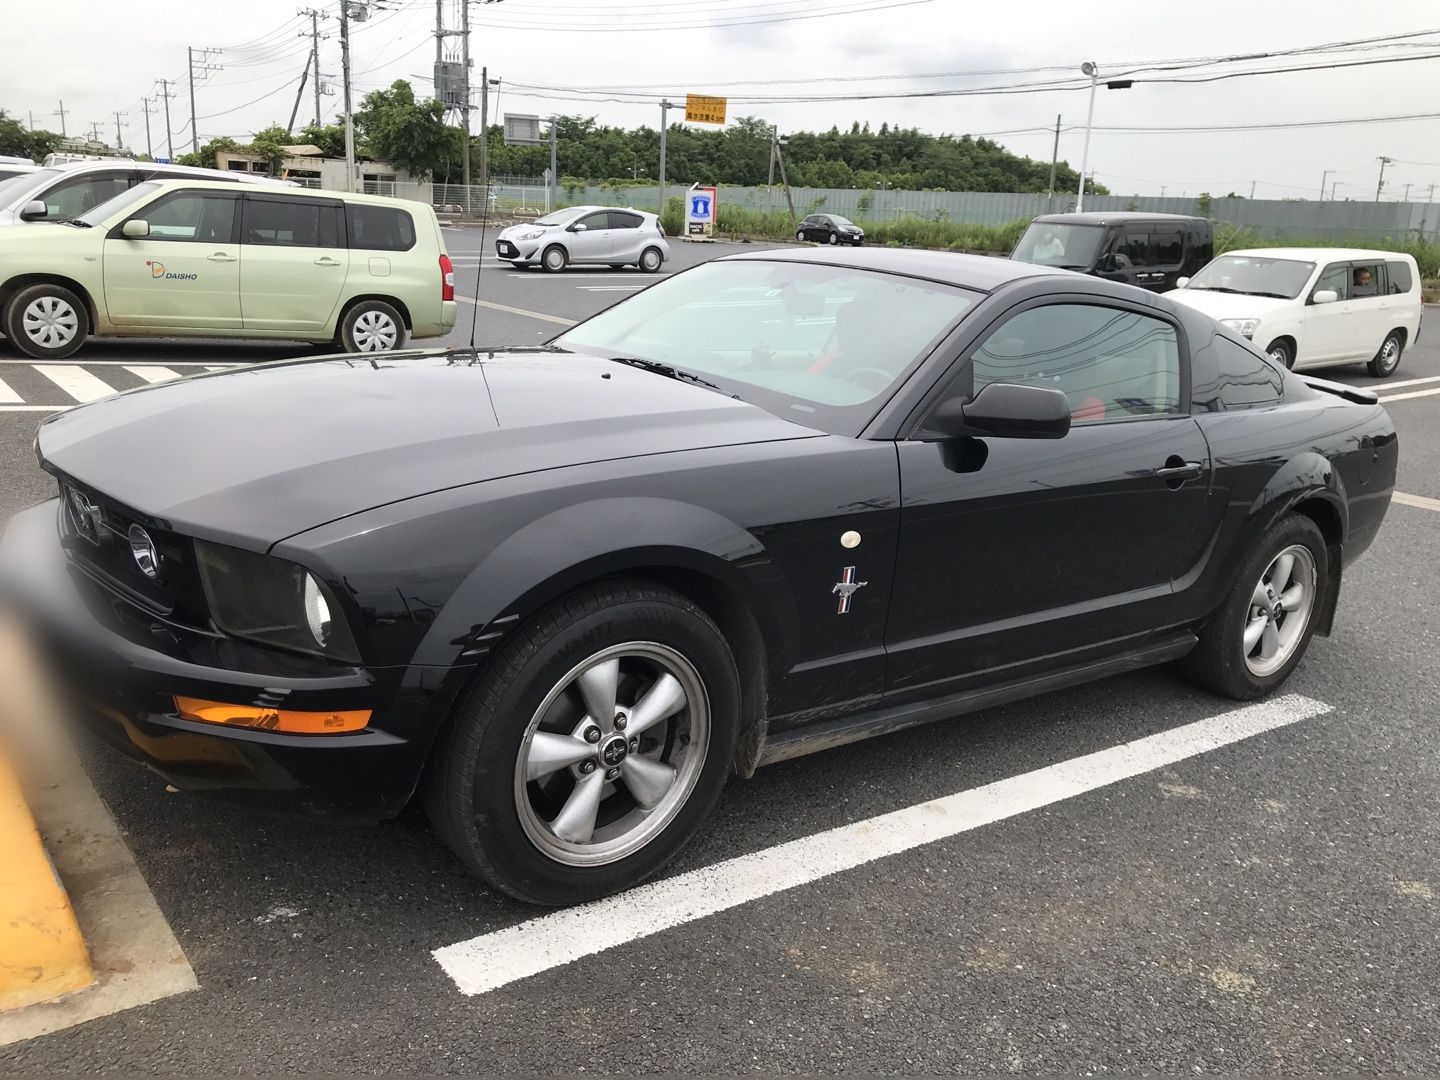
(1222, 305)
(253, 455)
(519, 230)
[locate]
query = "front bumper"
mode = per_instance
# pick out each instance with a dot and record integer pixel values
(118, 668)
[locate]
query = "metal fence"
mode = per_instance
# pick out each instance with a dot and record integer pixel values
(518, 195)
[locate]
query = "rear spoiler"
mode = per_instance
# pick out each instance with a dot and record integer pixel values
(1357, 394)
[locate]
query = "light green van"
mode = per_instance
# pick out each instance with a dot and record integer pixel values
(183, 258)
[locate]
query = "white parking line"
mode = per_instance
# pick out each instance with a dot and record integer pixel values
(1377, 387)
(516, 311)
(8, 396)
(152, 374)
(76, 381)
(38, 364)
(1411, 394)
(1422, 501)
(609, 288)
(572, 278)
(492, 960)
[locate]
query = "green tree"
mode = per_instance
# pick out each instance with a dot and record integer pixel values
(330, 138)
(407, 133)
(15, 141)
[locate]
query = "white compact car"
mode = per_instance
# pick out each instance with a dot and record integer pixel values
(1314, 307)
(587, 234)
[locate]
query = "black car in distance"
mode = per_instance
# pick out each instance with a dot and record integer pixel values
(778, 502)
(830, 229)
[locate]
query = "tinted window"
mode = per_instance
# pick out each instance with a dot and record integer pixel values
(1133, 248)
(1169, 248)
(380, 228)
(192, 216)
(72, 198)
(1366, 279)
(1244, 380)
(619, 220)
(1111, 364)
(1052, 244)
(292, 223)
(595, 221)
(1401, 280)
(1335, 277)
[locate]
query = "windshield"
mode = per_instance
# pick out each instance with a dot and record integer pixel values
(16, 186)
(838, 220)
(1069, 246)
(118, 203)
(560, 217)
(1254, 276)
(820, 345)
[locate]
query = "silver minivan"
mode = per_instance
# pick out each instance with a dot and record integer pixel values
(62, 192)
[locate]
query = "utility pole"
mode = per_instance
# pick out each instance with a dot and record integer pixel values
(784, 180)
(1252, 190)
(554, 159)
(345, 77)
(1054, 160)
(1381, 184)
(1407, 192)
(465, 101)
(1324, 178)
(485, 130)
(299, 94)
(314, 37)
(119, 142)
(94, 132)
(145, 105)
(665, 107)
(1090, 69)
(770, 175)
(206, 67)
(61, 113)
(31, 114)
(167, 94)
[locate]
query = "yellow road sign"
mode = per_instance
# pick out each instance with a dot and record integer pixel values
(700, 109)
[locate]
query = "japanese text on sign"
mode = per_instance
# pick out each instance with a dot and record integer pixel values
(704, 110)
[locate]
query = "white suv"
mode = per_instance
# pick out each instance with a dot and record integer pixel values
(1314, 307)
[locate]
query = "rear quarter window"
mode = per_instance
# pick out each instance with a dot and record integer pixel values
(380, 228)
(1243, 380)
(1401, 280)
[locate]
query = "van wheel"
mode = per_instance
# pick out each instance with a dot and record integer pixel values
(1282, 352)
(47, 322)
(554, 259)
(372, 326)
(650, 260)
(1388, 358)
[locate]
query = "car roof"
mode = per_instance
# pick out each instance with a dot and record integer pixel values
(176, 171)
(1307, 254)
(1103, 217)
(288, 192)
(984, 273)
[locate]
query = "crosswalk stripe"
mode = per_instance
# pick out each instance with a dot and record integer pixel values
(7, 395)
(152, 374)
(76, 381)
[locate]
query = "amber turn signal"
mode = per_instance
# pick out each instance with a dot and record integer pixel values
(291, 721)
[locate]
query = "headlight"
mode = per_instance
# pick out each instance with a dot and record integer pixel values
(531, 234)
(274, 602)
(1243, 327)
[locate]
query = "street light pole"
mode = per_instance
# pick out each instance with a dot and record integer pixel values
(1090, 69)
(665, 107)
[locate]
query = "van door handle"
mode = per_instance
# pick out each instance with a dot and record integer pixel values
(326, 260)
(1178, 474)
(220, 256)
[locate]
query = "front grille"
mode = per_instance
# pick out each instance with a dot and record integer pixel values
(95, 530)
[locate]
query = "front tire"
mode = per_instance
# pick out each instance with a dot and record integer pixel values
(47, 322)
(1282, 352)
(1388, 358)
(552, 812)
(554, 260)
(651, 260)
(834, 239)
(800, 235)
(1264, 625)
(372, 326)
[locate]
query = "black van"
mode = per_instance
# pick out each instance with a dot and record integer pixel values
(1148, 250)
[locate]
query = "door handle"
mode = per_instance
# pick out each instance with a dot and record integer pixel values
(326, 260)
(1178, 474)
(220, 256)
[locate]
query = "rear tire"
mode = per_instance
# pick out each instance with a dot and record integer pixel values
(505, 779)
(651, 260)
(1223, 662)
(554, 260)
(1388, 358)
(1282, 352)
(47, 322)
(372, 326)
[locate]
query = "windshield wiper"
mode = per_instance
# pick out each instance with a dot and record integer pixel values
(663, 369)
(76, 222)
(1276, 295)
(1217, 288)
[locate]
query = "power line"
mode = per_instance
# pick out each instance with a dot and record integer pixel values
(567, 26)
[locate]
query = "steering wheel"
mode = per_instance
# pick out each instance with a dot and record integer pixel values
(864, 376)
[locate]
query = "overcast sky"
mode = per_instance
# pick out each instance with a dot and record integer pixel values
(100, 56)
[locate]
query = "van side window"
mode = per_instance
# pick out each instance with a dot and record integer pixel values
(292, 223)
(1336, 278)
(1366, 279)
(1401, 280)
(1133, 248)
(1169, 248)
(380, 228)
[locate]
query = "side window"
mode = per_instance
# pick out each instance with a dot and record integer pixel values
(1401, 280)
(1169, 248)
(621, 220)
(1111, 364)
(1244, 380)
(194, 216)
(1133, 248)
(595, 221)
(1336, 277)
(1366, 279)
(292, 223)
(75, 197)
(380, 228)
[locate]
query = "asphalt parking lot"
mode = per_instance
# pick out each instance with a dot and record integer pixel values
(1266, 903)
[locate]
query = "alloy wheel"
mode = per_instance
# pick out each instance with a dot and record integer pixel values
(612, 754)
(374, 331)
(1279, 610)
(50, 322)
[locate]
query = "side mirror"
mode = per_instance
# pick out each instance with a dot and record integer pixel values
(135, 229)
(33, 210)
(1108, 263)
(579, 226)
(1181, 282)
(1324, 296)
(1003, 411)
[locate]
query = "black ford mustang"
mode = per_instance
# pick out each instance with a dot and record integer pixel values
(776, 503)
